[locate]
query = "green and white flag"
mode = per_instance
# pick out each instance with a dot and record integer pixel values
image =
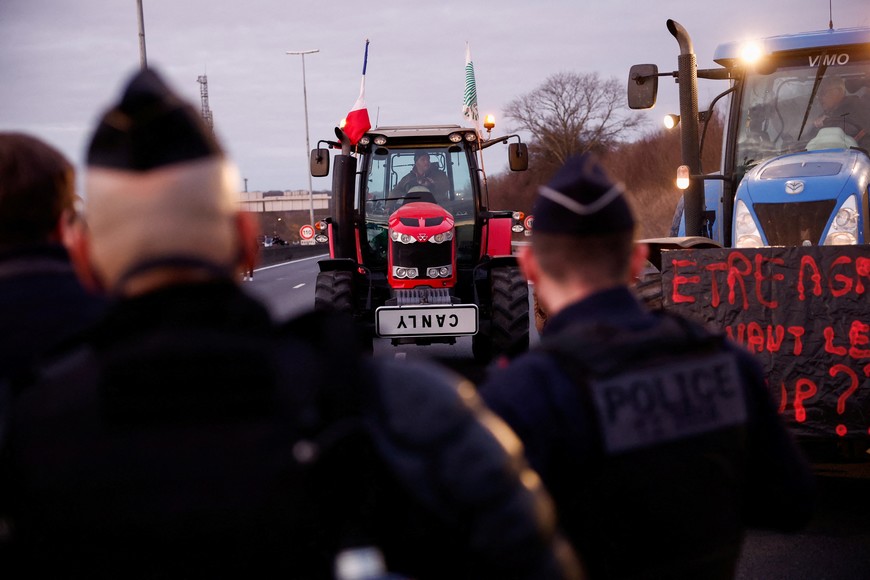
(469, 105)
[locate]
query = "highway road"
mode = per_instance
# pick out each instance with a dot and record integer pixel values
(835, 546)
(288, 289)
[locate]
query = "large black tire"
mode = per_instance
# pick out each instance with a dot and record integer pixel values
(334, 291)
(648, 288)
(509, 324)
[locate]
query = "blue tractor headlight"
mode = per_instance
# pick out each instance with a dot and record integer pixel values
(747, 234)
(844, 228)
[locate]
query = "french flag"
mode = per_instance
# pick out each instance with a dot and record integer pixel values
(357, 121)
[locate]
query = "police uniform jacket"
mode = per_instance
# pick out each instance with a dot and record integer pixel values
(192, 437)
(639, 497)
(42, 304)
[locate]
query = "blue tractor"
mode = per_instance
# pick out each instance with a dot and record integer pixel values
(773, 246)
(795, 166)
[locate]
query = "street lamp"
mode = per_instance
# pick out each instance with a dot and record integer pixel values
(302, 53)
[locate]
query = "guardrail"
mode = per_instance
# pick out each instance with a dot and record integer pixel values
(276, 254)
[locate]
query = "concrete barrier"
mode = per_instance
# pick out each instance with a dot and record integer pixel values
(277, 254)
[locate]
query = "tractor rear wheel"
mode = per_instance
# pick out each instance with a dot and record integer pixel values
(648, 288)
(509, 322)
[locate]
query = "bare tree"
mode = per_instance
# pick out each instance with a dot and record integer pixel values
(574, 113)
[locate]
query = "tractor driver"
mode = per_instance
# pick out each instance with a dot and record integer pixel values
(845, 112)
(427, 175)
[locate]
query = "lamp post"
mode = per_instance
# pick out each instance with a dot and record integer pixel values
(302, 53)
(143, 59)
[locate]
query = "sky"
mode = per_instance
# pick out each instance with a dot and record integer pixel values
(63, 62)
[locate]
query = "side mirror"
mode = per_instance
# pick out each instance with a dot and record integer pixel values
(518, 156)
(643, 86)
(319, 164)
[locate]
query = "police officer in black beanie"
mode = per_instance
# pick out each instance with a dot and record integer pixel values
(656, 438)
(191, 436)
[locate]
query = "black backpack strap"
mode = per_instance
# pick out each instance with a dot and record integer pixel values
(334, 448)
(330, 338)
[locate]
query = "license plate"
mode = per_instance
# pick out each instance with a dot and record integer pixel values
(460, 319)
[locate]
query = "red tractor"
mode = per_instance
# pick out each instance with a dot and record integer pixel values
(416, 255)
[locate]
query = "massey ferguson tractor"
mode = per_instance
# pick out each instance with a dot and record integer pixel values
(427, 263)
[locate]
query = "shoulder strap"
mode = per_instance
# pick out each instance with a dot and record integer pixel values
(331, 339)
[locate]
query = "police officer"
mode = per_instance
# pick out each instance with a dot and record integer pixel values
(657, 439)
(191, 436)
(42, 304)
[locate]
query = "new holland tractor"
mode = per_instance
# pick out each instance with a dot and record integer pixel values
(775, 241)
(423, 262)
(795, 164)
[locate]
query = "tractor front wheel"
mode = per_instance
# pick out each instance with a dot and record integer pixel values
(334, 291)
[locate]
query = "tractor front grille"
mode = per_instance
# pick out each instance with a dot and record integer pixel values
(423, 295)
(794, 224)
(422, 255)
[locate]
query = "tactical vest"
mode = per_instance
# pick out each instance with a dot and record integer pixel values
(661, 495)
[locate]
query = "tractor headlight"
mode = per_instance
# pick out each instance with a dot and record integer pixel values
(400, 272)
(844, 228)
(439, 272)
(402, 238)
(747, 234)
(442, 237)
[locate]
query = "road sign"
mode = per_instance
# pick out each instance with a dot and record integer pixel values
(528, 221)
(306, 232)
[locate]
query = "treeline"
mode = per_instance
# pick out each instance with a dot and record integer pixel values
(647, 167)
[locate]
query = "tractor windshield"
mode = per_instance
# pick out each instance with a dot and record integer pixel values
(820, 101)
(438, 175)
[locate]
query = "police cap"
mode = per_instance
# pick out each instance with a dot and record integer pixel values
(582, 200)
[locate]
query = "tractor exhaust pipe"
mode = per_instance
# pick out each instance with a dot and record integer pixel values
(687, 71)
(342, 206)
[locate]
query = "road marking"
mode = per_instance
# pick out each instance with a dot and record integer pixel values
(279, 264)
(298, 286)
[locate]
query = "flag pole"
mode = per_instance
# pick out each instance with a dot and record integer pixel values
(470, 108)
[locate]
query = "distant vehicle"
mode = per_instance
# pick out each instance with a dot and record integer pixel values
(421, 266)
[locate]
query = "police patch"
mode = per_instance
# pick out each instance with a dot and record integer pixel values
(677, 401)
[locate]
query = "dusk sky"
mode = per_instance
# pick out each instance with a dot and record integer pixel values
(62, 62)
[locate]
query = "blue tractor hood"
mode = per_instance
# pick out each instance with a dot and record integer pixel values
(794, 198)
(804, 176)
